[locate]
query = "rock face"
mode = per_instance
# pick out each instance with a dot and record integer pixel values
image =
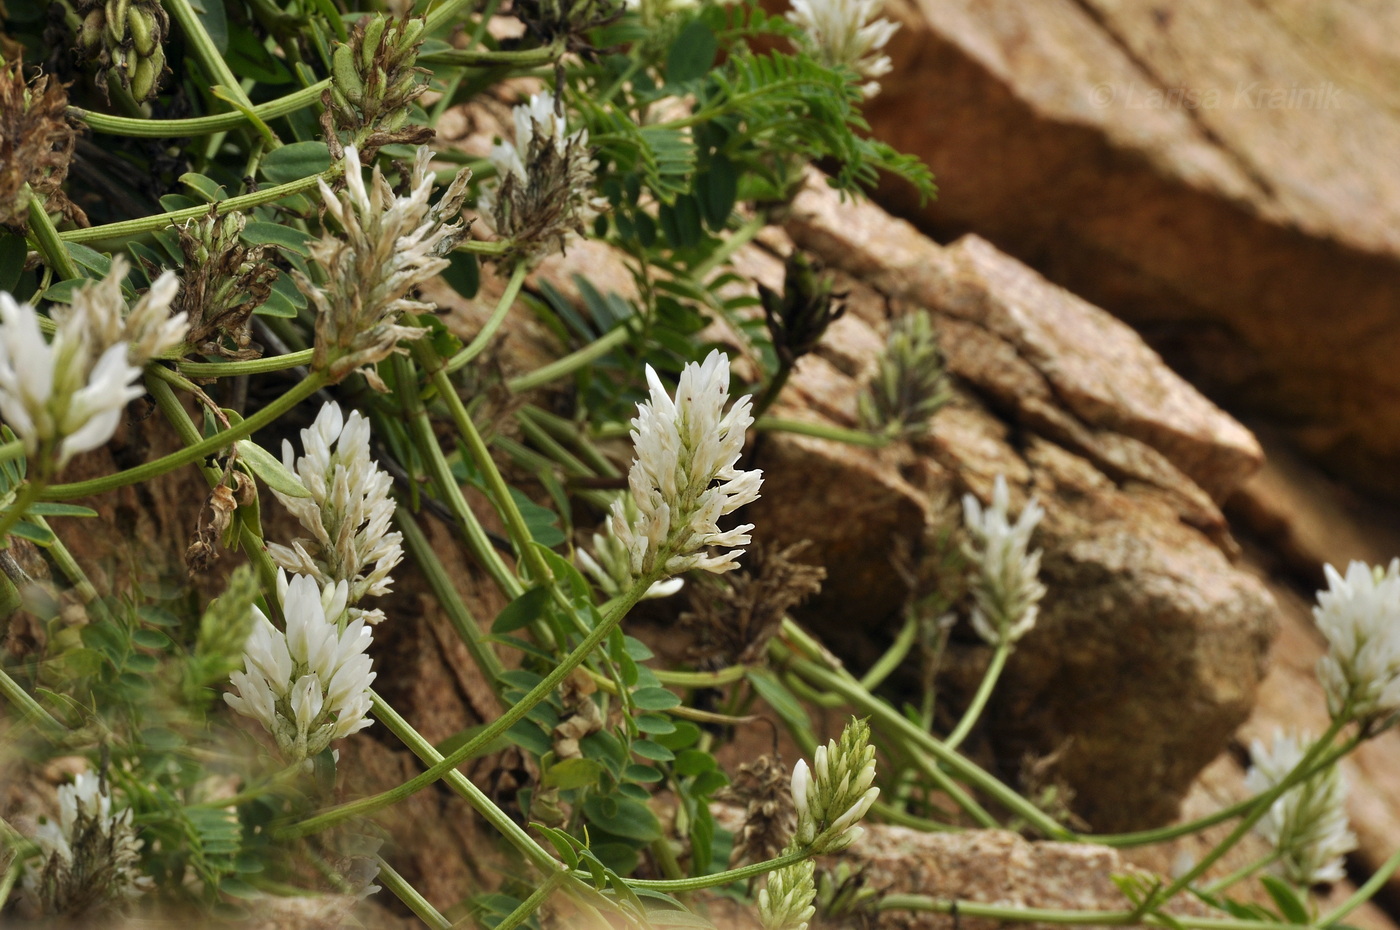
(1222, 175)
(1147, 624)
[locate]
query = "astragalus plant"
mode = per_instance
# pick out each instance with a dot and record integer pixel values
(224, 227)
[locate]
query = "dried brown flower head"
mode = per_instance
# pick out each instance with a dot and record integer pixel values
(799, 316)
(770, 818)
(36, 144)
(224, 282)
(735, 616)
(568, 21)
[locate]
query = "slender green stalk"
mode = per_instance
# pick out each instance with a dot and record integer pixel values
(462, 620)
(569, 431)
(11, 450)
(513, 715)
(481, 455)
(256, 366)
(472, 58)
(48, 238)
(896, 724)
(527, 907)
(189, 454)
(822, 431)
(1243, 872)
(979, 700)
(893, 656)
(28, 493)
(1364, 893)
(724, 676)
(199, 125)
(427, 444)
(127, 228)
(409, 895)
(459, 783)
(208, 54)
(30, 708)
(568, 364)
(679, 885)
(498, 316)
(1043, 915)
(1262, 803)
(741, 237)
(63, 558)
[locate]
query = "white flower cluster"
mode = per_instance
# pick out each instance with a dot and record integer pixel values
(846, 32)
(684, 476)
(87, 858)
(543, 191)
(348, 511)
(389, 246)
(1007, 589)
(834, 794)
(1359, 613)
(66, 396)
(309, 685)
(1308, 824)
(786, 900)
(611, 561)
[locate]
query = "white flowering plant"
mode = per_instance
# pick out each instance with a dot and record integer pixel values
(294, 328)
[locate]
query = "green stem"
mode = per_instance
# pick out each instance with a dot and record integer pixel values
(525, 548)
(568, 364)
(527, 907)
(568, 431)
(896, 724)
(409, 895)
(498, 316)
(441, 583)
(470, 58)
(1240, 874)
(1364, 893)
(894, 655)
(742, 237)
(999, 912)
(771, 392)
(11, 450)
(30, 708)
(208, 54)
(513, 715)
(48, 238)
(256, 366)
(678, 885)
(199, 125)
(979, 700)
(427, 444)
(463, 786)
(28, 494)
(1261, 806)
(128, 228)
(724, 676)
(822, 431)
(194, 453)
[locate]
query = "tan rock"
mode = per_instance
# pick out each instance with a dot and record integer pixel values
(1220, 174)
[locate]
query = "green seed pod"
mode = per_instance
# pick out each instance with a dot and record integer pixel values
(412, 31)
(90, 34)
(144, 29)
(143, 78)
(347, 78)
(369, 44)
(117, 11)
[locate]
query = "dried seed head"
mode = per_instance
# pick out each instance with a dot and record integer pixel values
(769, 815)
(797, 319)
(224, 282)
(36, 144)
(735, 616)
(126, 37)
(568, 21)
(543, 191)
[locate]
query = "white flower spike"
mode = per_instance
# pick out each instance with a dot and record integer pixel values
(846, 32)
(309, 685)
(835, 793)
(348, 512)
(786, 900)
(1007, 589)
(66, 396)
(684, 476)
(1308, 824)
(1359, 613)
